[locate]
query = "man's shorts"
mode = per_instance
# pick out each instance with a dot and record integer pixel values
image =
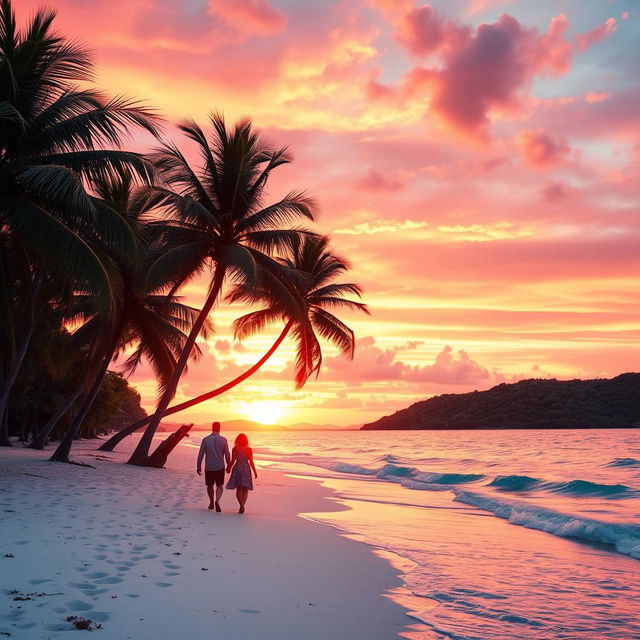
(214, 477)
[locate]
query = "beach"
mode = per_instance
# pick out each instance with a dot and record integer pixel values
(136, 552)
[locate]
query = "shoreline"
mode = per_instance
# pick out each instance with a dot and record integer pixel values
(136, 551)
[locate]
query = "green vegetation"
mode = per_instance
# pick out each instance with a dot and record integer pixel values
(97, 242)
(528, 404)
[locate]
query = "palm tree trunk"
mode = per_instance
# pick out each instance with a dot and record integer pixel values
(4, 427)
(41, 438)
(114, 440)
(140, 456)
(158, 458)
(12, 374)
(61, 454)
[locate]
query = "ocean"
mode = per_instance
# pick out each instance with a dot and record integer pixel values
(498, 535)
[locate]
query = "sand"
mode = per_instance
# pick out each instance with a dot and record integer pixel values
(136, 552)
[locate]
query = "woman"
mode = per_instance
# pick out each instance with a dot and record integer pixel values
(242, 465)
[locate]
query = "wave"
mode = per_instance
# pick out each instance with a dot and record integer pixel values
(586, 488)
(514, 483)
(391, 471)
(577, 488)
(624, 537)
(624, 462)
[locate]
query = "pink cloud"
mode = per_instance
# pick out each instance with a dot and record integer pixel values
(253, 16)
(422, 30)
(556, 191)
(486, 70)
(223, 346)
(585, 40)
(372, 362)
(374, 180)
(539, 149)
(597, 96)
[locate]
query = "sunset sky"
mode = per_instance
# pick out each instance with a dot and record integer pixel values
(477, 161)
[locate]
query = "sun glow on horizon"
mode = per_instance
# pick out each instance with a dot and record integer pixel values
(264, 411)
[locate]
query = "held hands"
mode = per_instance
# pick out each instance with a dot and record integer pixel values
(229, 469)
(255, 475)
(199, 472)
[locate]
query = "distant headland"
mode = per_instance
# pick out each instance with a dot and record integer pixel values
(528, 404)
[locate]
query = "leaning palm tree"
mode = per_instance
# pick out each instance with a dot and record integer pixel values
(155, 322)
(311, 256)
(54, 137)
(217, 213)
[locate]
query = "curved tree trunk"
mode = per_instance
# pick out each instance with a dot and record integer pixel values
(114, 440)
(61, 454)
(140, 456)
(21, 352)
(4, 427)
(159, 457)
(41, 438)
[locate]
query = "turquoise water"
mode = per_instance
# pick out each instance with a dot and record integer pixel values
(502, 534)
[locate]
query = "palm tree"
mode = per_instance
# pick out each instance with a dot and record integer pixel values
(155, 322)
(311, 256)
(52, 135)
(218, 213)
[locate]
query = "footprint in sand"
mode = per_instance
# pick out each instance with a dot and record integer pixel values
(163, 584)
(79, 605)
(85, 586)
(35, 582)
(249, 611)
(132, 595)
(100, 616)
(97, 574)
(110, 580)
(170, 574)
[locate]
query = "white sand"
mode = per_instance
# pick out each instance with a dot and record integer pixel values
(136, 551)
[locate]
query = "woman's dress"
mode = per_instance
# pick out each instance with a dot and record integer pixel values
(241, 475)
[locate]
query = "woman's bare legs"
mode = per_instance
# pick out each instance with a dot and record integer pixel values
(242, 493)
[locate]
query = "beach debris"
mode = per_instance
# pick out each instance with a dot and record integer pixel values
(177, 553)
(203, 569)
(5, 633)
(83, 623)
(9, 555)
(18, 596)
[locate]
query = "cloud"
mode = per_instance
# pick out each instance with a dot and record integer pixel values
(374, 363)
(597, 96)
(374, 180)
(483, 72)
(423, 30)
(480, 232)
(382, 225)
(585, 40)
(250, 16)
(539, 149)
(223, 346)
(555, 191)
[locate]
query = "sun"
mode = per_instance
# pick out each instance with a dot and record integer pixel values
(264, 411)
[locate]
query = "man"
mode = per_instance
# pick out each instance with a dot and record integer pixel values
(216, 450)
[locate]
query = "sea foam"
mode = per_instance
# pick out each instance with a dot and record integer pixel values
(624, 537)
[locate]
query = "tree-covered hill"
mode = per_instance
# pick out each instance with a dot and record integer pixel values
(528, 404)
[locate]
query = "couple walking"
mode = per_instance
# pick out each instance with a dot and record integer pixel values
(215, 451)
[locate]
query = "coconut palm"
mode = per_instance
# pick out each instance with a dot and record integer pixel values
(217, 212)
(311, 256)
(155, 322)
(54, 137)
